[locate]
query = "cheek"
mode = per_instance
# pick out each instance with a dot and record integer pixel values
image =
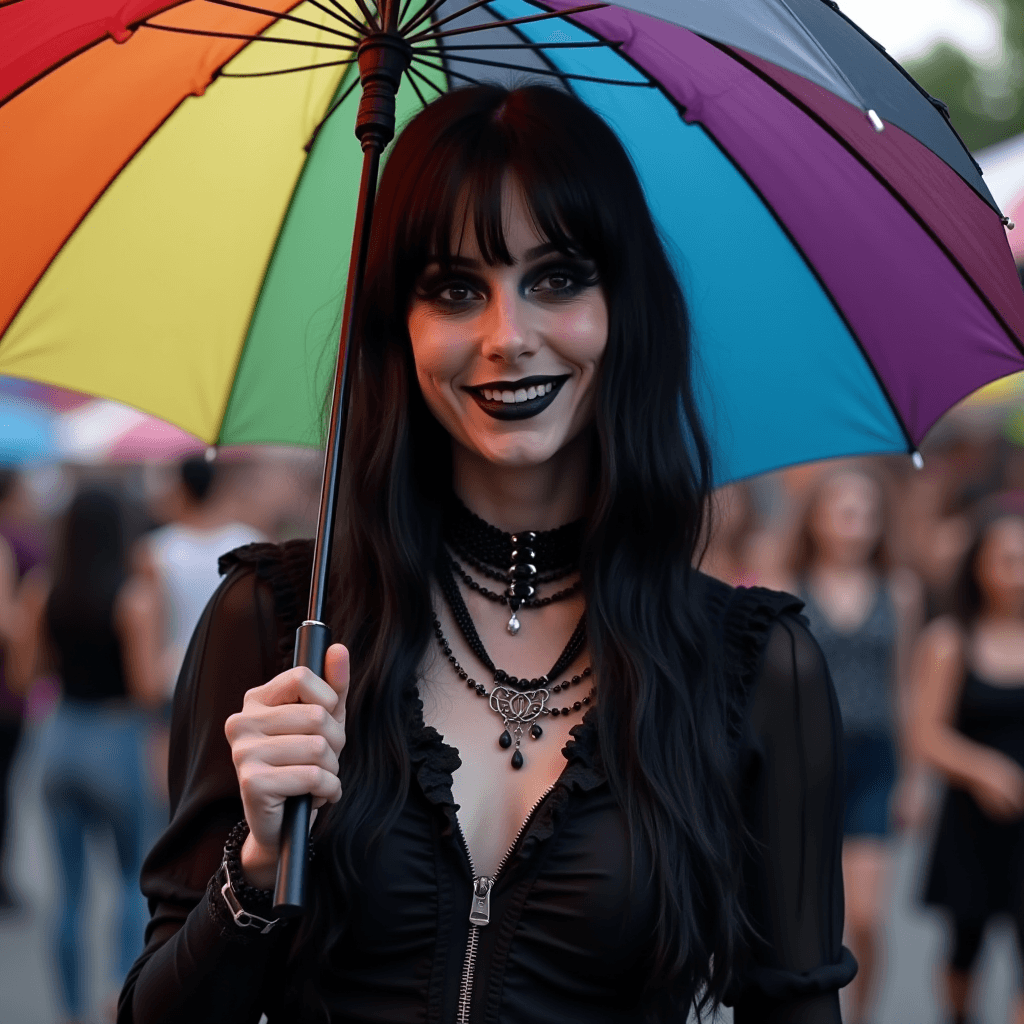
(584, 334)
(438, 351)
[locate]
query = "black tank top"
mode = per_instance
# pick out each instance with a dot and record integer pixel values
(993, 714)
(88, 657)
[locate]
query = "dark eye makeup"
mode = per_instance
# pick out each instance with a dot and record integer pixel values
(558, 278)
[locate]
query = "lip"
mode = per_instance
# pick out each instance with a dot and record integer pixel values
(518, 410)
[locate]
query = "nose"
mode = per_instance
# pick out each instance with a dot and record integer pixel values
(506, 334)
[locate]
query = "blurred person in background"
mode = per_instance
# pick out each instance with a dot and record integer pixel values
(968, 724)
(97, 623)
(865, 615)
(201, 510)
(21, 549)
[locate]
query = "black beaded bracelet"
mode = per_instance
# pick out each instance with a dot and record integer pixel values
(248, 895)
(247, 919)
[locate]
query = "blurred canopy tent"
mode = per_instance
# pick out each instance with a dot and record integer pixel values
(1003, 166)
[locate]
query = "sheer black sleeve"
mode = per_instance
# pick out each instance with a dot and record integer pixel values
(192, 969)
(791, 785)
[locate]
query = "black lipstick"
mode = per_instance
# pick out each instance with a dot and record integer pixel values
(517, 410)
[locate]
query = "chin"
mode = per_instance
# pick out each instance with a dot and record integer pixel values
(517, 453)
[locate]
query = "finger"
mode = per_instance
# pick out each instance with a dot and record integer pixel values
(286, 720)
(336, 672)
(268, 785)
(296, 685)
(280, 751)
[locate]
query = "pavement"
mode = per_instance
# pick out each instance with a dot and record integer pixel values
(915, 937)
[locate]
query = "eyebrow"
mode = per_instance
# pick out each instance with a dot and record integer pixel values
(471, 264)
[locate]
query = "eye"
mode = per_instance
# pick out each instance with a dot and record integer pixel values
(563, 281)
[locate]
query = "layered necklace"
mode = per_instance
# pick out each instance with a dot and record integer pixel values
(533, 558)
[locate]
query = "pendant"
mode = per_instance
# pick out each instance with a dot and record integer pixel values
(513, 624)
(517, 708)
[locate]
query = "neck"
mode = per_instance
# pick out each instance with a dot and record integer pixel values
(516, 498)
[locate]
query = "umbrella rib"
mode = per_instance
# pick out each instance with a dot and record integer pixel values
(426, 13)
(448, 71)
(448, 17)
(611, 44)
(284, 17)
(563, 75)
(419, 74)
(546, 16)
(416, 89)
(371, 19)
(287, 71)
(334, 106)
(238, 35)
(341, 15)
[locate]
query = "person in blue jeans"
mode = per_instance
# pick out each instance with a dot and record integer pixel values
(96, 624)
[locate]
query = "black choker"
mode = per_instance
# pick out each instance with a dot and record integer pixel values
(531, 556)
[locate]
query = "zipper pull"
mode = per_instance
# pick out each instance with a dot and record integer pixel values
(480, 908)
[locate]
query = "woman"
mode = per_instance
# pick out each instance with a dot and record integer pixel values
(969, 690)
(98, 624)
(865, 615)
(521, 390)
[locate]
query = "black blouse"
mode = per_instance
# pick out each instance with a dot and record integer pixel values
(567, 940)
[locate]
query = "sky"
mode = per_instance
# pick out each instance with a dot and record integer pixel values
(909, 28)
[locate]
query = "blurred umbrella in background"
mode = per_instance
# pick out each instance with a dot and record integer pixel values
(108, 432)
(26, 432)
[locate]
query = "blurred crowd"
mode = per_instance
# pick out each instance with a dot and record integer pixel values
(104, 573)
(913, 583)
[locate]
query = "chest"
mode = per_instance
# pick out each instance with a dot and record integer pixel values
(494, 799)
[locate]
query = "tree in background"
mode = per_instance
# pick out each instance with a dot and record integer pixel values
(986, 102)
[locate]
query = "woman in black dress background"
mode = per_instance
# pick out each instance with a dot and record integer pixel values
(522, 397)
(969, 726)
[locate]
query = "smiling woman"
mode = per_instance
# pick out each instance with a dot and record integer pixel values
(619, 803)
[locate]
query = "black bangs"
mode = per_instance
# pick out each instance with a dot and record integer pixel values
(506, 139)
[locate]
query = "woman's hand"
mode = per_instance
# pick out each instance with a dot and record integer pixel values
(285, 742)
(998, 786)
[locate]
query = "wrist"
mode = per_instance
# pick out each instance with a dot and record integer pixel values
(259, 866)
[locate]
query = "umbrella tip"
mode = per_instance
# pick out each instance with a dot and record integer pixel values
(876, 122)
(1008, 224)
(210, 454)
(918, 459)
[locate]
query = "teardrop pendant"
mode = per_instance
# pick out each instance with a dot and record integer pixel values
(505, 740)
(517, 759)
(513, 624)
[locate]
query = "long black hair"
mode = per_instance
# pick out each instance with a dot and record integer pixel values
(661, 713)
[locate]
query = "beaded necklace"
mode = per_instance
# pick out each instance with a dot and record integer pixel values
(519, 702)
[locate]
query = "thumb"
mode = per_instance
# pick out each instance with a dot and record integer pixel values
(336, 673)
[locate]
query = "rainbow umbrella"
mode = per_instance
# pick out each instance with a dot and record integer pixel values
(177, 213)
(179, 186)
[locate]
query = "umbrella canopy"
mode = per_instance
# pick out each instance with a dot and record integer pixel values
(847, 285)
(1003, 165)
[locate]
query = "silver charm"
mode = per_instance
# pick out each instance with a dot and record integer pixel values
(513, 624)
(517, 708)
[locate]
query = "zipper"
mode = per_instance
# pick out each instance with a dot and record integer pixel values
(480, 909)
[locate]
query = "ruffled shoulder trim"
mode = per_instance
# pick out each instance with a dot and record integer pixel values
(742, 617)
(287, 568)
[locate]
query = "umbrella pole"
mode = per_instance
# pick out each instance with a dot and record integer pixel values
(383, 57)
